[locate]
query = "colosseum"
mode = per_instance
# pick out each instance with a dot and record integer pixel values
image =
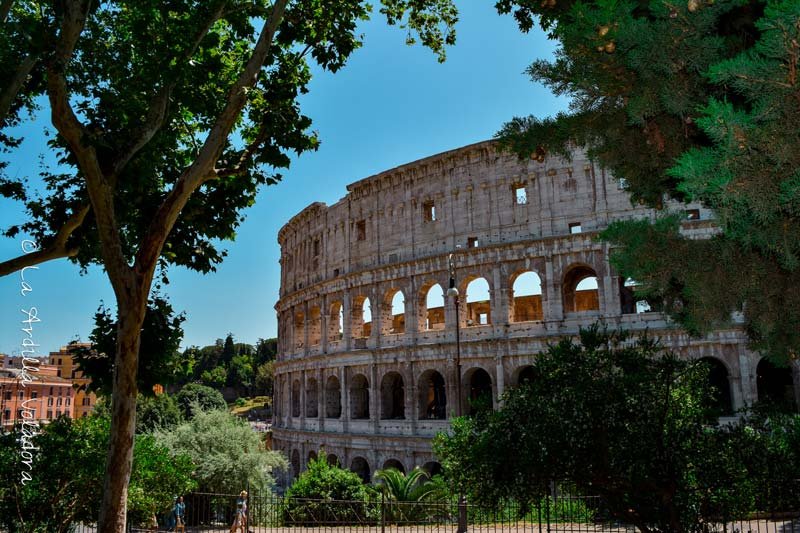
(371, 343)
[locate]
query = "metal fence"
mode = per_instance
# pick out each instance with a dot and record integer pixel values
(555, 513)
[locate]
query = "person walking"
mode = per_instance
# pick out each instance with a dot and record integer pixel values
(179, 511)
(240, 520)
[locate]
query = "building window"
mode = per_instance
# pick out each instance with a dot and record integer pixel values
(51, 391)
(7, 414)
(316, 247)
(692, 214)
(622, 184)
(66, 402)
(34, 395)
(59, 360)
(49, 414)
(335, 272)
(520, 194)
(49, 402)
(575, 227)
(429, 211)
(472, 242)
(7, 395)
(361, 230)
(58, 402)
(21, 394)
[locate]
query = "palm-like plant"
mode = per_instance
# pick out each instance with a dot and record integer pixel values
(406, 494)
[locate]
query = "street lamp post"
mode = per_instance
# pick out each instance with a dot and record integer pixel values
(452, 292)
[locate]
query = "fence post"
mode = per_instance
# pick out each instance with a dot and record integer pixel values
(547, 505)
(383, 509)
(462, 514)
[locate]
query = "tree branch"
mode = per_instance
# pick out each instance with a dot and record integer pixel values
(58, 249)
(15, 84)
(203, 166)
(159, 104)
(101, 193)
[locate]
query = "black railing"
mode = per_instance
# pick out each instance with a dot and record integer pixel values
(556, 512)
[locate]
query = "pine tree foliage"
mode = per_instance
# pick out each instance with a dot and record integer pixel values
(690, 101)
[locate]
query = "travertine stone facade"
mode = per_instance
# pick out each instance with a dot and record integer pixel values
(372, 388)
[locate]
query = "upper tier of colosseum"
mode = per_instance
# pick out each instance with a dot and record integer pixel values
(471, 196)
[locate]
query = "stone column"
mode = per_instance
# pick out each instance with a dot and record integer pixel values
(321, 398)
(344, 397)
(306, 327)
(412, 313)
(411, 395)
(552, 306)
(347, 320)
(302, 400)
(374, 391)
(500, 380)
(324, 318)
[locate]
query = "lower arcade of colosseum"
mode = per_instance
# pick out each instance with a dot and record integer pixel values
(367, 362)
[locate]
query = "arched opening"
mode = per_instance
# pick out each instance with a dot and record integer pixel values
(393, 397)
(296, 463)
(719, 383)
(361, 317)
(359, 397)
(478, 311)
(333, 398)
(314, 326)
(299, 329)
(312, 399)
(394, 463)
(332, 459)
(629, 303)
(525, 375)
(433, 468)
(433, 310)
(296, 398)
(432, 396)
(775, 385)
(580, 290)
(393, 320)
(527, 298)
(479, 390)
(360, 466)
(312, 456)
(336, 322)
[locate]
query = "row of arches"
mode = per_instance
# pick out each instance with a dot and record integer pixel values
(579, 292)
(773, 385)
(359, 464)
(431, 401)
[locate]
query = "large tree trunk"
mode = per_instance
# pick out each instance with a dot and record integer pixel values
(123, 417)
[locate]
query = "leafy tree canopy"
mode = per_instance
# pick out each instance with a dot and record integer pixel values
(194, 398)
(691, 101)
(160, 362)
(324, 481)
(228, 455)
(618, 418)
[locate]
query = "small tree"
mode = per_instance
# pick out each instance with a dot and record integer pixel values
(326, 493)
(158, 412)
(195, 396)
(228, 455)
(618, 418)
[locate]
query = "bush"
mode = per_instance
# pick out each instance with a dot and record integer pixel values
(308, 500)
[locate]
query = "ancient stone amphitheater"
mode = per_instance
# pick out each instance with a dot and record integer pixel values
(367, 355)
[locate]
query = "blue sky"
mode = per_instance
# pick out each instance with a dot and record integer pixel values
(390, 105)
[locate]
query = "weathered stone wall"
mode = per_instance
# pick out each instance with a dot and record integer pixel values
(367, 391)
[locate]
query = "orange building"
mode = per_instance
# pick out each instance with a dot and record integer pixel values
(66, 368)
(43, 398)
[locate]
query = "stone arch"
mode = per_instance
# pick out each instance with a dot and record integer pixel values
(523, 374)
(478, 390)
(296, 398)
(629, 303)
(295, 462)
(393, 312)
(719, 382)
(299, 329)
(526, 297)
(360, 466)
(775, 385)
(359, 397)
(312, 398)
(333, 398)
(312, 456)
(432, 396)
(361, 317)
(580, 290)
(432, 306)
(333, 459)
(335, 321)
(394, 463)
(477, 309)
(393, 397)
(433, 468)
(314, 326)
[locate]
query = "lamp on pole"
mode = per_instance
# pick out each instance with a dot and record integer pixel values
(452, 292)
